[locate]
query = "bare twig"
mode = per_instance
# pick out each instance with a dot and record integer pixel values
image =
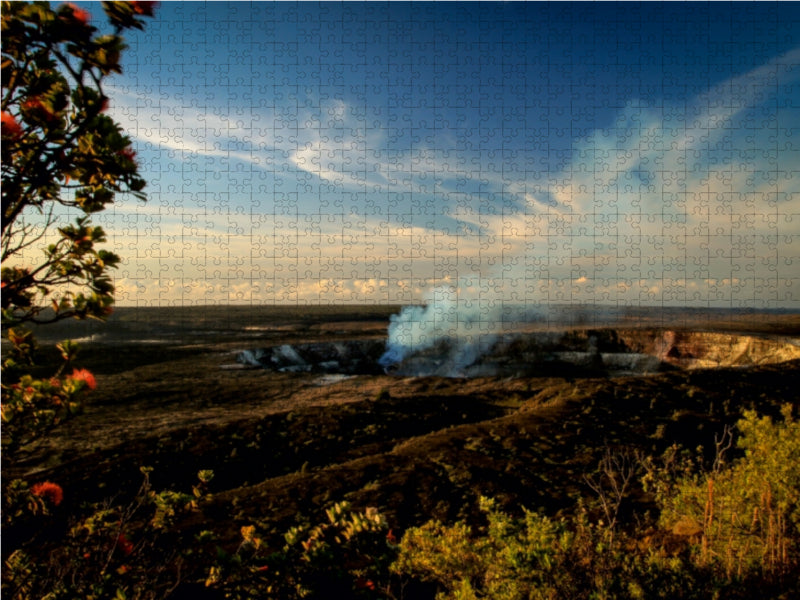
(722, 442)
(612, 484)
(25, 235)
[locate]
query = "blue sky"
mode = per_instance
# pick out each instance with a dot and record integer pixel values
(621, 154)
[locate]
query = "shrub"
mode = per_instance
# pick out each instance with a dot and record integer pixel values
(346, 556)
(731, 530)
(119, 551)
(536, 557)
(746, 516)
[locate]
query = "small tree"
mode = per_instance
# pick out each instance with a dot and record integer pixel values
(60, 148)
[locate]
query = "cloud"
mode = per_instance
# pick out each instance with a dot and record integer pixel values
(668, 203)
(171, 125)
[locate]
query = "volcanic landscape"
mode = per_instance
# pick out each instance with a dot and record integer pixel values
(295, 408)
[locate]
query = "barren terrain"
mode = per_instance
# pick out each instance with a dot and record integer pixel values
(173, 394)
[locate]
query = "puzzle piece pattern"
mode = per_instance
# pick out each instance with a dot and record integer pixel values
(524, 154)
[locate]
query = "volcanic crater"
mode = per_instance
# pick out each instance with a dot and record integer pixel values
(572, 353)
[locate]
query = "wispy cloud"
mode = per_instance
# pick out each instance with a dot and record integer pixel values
(171, 125)
(665, 204)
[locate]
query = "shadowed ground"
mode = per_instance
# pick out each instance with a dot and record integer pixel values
(285, 445)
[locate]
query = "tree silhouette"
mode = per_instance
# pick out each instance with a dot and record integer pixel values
(59, 147)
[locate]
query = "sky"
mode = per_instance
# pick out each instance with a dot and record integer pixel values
(566, 153)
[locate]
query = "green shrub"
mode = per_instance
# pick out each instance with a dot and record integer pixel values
(746, 516)
(344, 557)
(535, 558)
(728, 531)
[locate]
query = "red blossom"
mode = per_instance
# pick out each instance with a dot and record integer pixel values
(11, 128)
(391, 538)
(37, 107)
(85, 376)
(49, 491)
(363, 583)
(124, 544)
(32, 104)
(144, 8)
(79, 14)
(128, 153)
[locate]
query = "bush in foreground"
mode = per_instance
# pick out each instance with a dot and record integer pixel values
(730, 531)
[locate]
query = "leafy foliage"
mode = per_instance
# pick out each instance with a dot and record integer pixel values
(746, 516)
(60, 148)
(31, 407)
(108, 553)
(732, 531)
(535, 557)
(346, 556)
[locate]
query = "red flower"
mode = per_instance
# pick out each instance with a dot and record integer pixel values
(144, 8)
(49, 491)
(36, 106)
(128, 153)
(390, 537)
(85, 376)
(11, 128)
(124, 544)
(363, 583)
(32, 104)
(79, 14)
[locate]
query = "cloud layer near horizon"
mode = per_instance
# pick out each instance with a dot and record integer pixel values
(697, 204)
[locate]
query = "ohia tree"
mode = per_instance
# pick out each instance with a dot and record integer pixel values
(61, 149)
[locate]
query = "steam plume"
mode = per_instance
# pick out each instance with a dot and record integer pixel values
(460, 330)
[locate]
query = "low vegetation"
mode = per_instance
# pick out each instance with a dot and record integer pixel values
(731, 531)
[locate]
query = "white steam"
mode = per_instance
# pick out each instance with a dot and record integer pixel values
(459, 329)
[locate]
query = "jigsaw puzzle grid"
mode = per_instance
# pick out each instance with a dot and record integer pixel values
(331, 153)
